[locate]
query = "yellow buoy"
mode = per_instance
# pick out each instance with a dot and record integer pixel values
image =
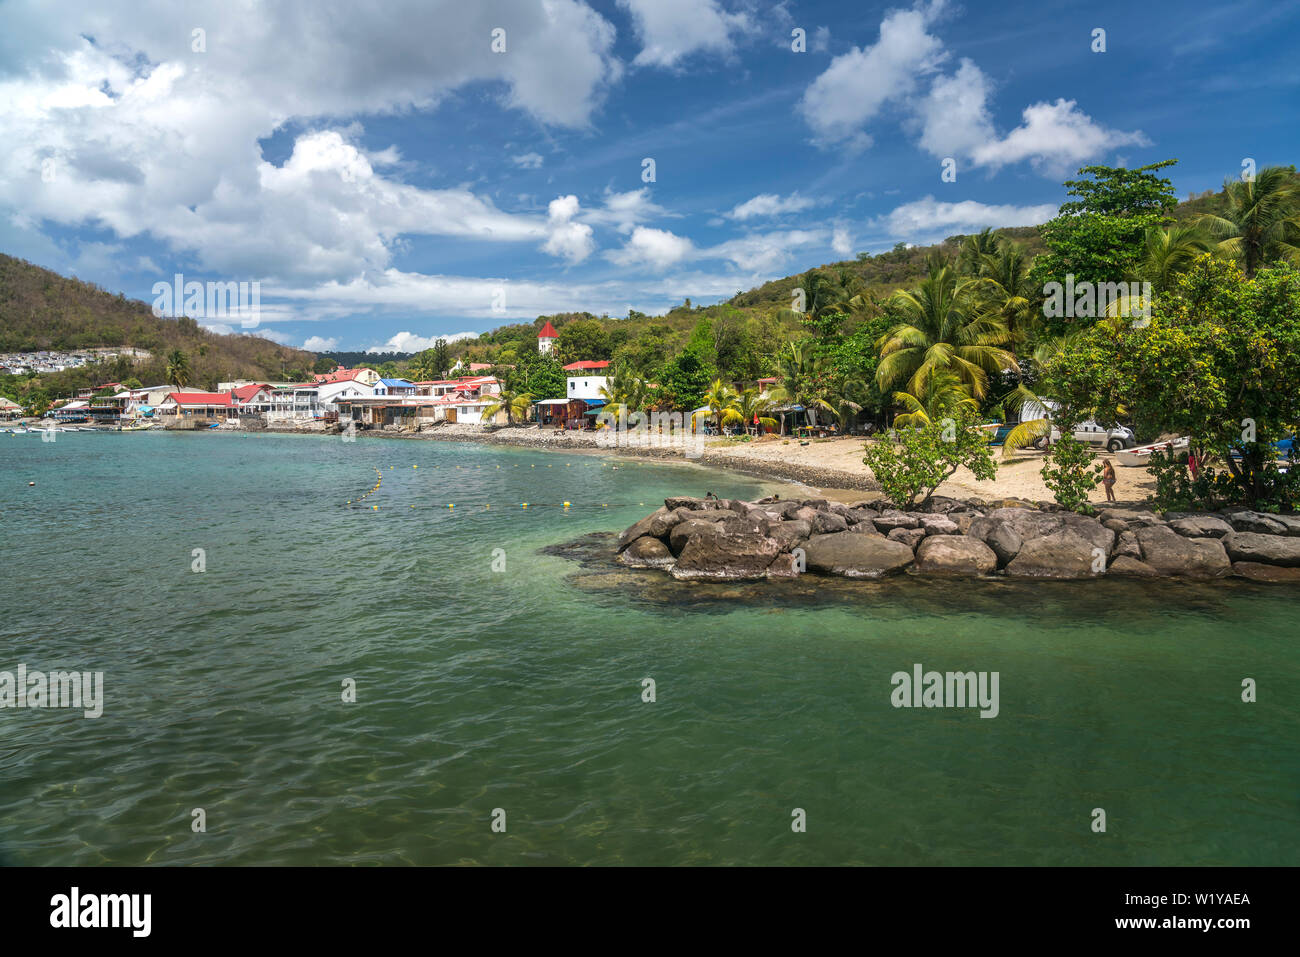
(525, 505)
(375, 507)
(451, 504)
(566, 504)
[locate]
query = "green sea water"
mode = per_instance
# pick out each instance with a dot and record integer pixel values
(491, 676)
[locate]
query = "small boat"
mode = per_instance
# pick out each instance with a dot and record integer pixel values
(1141, 455)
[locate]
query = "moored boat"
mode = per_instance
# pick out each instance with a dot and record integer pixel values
(1141, 455)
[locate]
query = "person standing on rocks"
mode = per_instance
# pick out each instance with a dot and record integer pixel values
(1108, 479)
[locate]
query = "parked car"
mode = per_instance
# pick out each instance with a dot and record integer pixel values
(1090, 433)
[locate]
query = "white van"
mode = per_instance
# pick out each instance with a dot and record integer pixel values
(1090, 433)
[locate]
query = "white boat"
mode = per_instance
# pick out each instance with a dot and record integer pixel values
(1141, 455)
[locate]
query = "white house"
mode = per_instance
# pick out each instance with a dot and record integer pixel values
(586, 379)
(328, 392)
(546, 339)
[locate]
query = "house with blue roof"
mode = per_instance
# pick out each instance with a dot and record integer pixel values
(394, 387)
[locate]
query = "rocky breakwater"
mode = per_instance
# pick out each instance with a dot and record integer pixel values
(732, 540)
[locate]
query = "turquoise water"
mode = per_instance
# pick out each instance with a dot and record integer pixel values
(522, 689)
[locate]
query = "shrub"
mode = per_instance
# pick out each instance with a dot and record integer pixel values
(915, 462)
(1069, 472)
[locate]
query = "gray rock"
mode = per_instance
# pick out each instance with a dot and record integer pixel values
(856, 556)
(804, 513)
(1033, 524)
(1201, 526)
(657, 525)
(789, 534)
(891, 519)
(964, 520)
(1257, 522)
(1128, 547)
(1063, 554)
(828, 523)
(954, 555)
(911, 537)
(1129, 567)
(939, 525)
(1116, 525)
(723, 556)
(1169, 553)
(1132, 517)
(997, 535)
(1263, 549)
(646, 552)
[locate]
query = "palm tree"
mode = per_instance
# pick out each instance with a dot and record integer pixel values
(178, 369)
(752, 405)
(1262, 221)
(625, 391)
(944, 395)
(515, 405)
(722, 402)
(974, 250)
(1168, 252)
(801, 374)
(946, 323)
(1011, 289)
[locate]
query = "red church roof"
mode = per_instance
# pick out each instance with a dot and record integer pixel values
(548, 332)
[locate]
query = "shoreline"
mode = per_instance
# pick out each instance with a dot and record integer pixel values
(825, 466)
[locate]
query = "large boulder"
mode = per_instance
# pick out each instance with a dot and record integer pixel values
(856, 556)
(1128, 547)
(911, 537)
(1201, 526)
(683, 532)
(1063, 554)
(939, 525)
(891, 519)
(1263, 549)
(657, 525)
(1171, 554)
(1257, 522)
(724, 556)
(954, 555)
(829, 522)
(857, 516)
(1266, 573)
(997, 535)
(695, 504)
(789, 534)
(1034, 524)
(1133, 518)
(646, 552)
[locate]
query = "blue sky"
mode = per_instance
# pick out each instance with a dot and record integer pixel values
(389, 177)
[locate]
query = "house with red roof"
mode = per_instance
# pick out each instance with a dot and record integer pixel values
(188, 404)
(546, 339)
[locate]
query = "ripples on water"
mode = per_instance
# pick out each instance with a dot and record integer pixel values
(479, 690)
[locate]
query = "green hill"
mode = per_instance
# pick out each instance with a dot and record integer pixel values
(43, 311)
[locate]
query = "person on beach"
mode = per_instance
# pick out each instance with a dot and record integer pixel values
(1108, 479)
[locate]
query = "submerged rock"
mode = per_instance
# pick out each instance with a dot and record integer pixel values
(1266, 573)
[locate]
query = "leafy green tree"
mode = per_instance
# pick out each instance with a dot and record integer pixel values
(684, 379)
(1219, 363)
(1168, 253)
(917, 461)
(944, 396)
(584, 340)
(541, 376)
(1098, 237)
(324, 364)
